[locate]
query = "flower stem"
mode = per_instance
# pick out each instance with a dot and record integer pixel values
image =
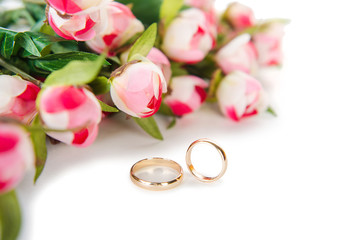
(23, 74)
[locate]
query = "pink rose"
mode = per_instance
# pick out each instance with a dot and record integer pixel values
(202, 4)
(238, 54)
(73, 109)
(16, 155)
(158, 58)
(17, 98)
(137, 88)
(79, 27)
(76, 6)
(269, 45)
(239, 16)
(189, 37)
(122, 25)
(240, 95)
(188, 93)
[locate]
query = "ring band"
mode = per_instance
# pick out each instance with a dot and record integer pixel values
(156, 186)
(190, 166)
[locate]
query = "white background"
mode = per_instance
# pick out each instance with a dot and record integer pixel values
(297, 176)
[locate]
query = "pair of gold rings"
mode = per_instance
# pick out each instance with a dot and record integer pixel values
(161, 162)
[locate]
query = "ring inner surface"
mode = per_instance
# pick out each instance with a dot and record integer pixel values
(206, 160)
(157, 170)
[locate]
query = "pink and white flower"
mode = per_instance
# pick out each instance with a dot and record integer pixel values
(239, 16)
(17, 98)
(76, 6)
(137, 88)
(238, 54)
(73, 109)
(122, 26)
(80, 27)
(158, 58)
(205, 5)
(188, 93)
(189, 37)
(269, 45)
(239, 95)
(16, 155)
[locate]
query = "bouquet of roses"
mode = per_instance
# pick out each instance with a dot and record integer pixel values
(79, 61)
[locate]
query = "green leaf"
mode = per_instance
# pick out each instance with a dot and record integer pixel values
(15, 16)
(145, 43)
(271, 111)
(178, 70)
(10, 216)
(147, 11)
(37, 11)
(66, 47)
(169, 10)
(7, 42)
(40, 148)
(203, 69)
(32, 43)
(214, 83)
(100, 85)
(76, 73)
(165, 110)
(53, 62)
(106, 108)
(172, 123)
(150, 126)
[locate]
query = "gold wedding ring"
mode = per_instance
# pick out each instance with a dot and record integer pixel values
(191, 166)
(156, 186)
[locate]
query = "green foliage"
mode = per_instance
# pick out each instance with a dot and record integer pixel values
(7, 43)
(76, 73)
(203, 69)
(178, 69)
(145, 43)
(271, 111)
(147, 11)
(37, 11)
(172, 123)
(54, 62)
(106, 108)
(39, 141)
(169, 10)
(100, 85)
(65, 47)
(30, 43)
(10, 216)
(214, 84)
(165, 110)
(12, 17)
(150, 126)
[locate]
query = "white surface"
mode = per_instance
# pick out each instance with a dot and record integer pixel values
(297, 176)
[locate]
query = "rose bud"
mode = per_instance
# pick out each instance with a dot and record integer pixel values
(70, 108)
(239, 95)
(269, 45)
(158, 58)
(80, 27)
(238, 54)
(122, 26)
(76, 6)
(17, 98)
(201, 4)
(188, 93)
(16, 155)
(239, 16)
(137, 87)
(189, 37)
